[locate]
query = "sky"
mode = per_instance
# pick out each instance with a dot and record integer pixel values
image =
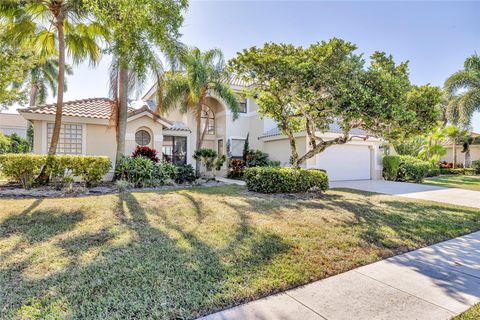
(434, 36)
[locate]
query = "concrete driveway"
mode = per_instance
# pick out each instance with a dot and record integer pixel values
(461, 197)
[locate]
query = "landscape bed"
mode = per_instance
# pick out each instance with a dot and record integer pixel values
(186, 253)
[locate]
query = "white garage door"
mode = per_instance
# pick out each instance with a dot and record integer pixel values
(345, 162)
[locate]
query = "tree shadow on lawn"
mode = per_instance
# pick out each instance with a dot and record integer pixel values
(154, 275)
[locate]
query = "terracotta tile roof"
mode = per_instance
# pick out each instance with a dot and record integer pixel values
(97, 108)
(235, 80)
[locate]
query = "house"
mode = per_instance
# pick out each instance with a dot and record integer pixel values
(13, 123)
(87, 129)
(474, 151)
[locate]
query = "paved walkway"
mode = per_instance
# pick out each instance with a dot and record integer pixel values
(436, 282)
(454, 196)
(230, 181)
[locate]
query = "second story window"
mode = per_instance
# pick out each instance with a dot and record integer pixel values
(208, 120)
(243, 105)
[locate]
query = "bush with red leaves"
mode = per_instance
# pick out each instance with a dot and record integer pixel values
(145, 152)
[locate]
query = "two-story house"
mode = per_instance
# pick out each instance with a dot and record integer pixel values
(87, 129)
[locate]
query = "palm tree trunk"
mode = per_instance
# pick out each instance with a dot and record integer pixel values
(43, 177)
(454, 154)
(468, 161)
(33, 95)
(199, 138)
(122, 111)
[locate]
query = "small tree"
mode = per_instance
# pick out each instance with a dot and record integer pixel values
(246, 148)
(310, 89)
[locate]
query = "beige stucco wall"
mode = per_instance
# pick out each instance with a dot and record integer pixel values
(38, 136)
(279, 150)
(474, 154)
(100, 141)
(143, 123)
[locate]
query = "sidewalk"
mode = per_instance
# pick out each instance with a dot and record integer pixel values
(436, 282)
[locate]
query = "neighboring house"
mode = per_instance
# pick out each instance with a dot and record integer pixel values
(13, 123)
(474, 151)
(86, 129)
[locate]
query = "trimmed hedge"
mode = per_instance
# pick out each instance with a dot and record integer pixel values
(476, 166)
(24, 168)
(406, 168)
(285, 180)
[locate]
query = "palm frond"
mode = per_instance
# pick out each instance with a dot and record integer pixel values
(228, 96)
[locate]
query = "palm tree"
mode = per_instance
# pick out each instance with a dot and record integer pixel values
(42, 78)
(202, 74)
(54, 28)
(455, 135)
(464, 90)
(433, 148)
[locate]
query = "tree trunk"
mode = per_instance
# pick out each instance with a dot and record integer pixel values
(43, 176)
(33, 94)
(454, 154)
(468, 161)
(199, 138)
(122, 103)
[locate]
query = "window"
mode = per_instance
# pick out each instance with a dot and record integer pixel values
(208, 118)
(142, 138)
(174, 149)
(70, 140)
(243, 105)
(220, 147)
(237, 147)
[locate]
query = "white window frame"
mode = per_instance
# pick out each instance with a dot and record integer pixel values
(46, 140)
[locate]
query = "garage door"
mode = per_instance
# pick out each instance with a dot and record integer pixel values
(345, 162)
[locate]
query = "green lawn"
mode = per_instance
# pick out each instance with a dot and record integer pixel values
(471, 314)
(186, 253)
(456, 181)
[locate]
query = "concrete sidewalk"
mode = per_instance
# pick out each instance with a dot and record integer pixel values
(436, 282)
(455, 196)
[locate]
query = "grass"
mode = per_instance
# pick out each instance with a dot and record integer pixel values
(187, 253)
(456, 181)
(471, 314)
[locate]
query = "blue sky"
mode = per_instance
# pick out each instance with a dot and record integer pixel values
(435, 37)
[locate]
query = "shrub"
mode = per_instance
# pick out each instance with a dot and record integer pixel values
(91, 169)
(406, 168)
(140, 171)
(206, 156)
(18, 144)
(145, 152)
(452, 171)
(256, 158)
(166, 171)
(4, 144)
(123, 185)
(412, 169)
(273, 163)
(449, 165)
(391, 165)
(433, 171)
(22, 168)
(281, 180)
(185, 173)
(476, 166)
(236, 168)
(469, 171)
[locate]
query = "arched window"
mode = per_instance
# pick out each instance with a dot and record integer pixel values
(208, 119)
(142, 138)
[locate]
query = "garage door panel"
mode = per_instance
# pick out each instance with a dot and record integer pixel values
(345, 162)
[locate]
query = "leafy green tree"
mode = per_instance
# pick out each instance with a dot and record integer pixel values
(203, 74)
(309, 89)
(4, 144)
(15, 61)
(137, 30)
(54, 28)
(463, 88)
(433, 148)
(410, 147)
